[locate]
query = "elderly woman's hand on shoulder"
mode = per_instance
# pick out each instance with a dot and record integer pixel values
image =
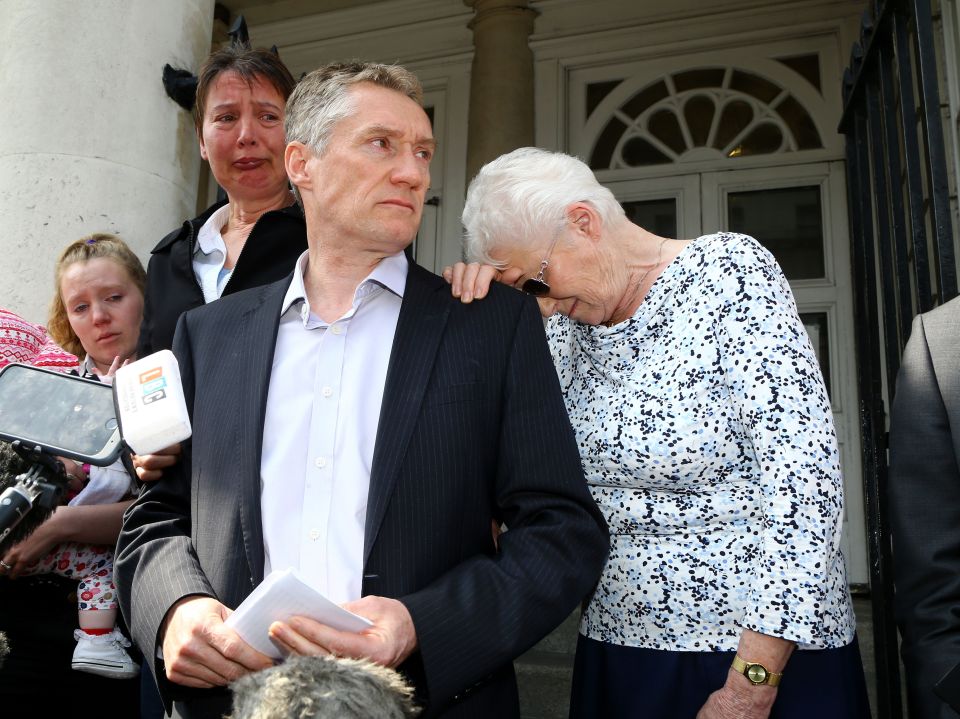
(470, 281)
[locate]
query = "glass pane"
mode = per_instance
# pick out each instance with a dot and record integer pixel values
(646, 98)
(787, 222)
(815, 323)
(637, 152)
(698, 112)
(656, 216)
(806, 65)
(800, 124)
(736, 116)
(763, 140)
(602, 156)
(750, 84)
(596, 91)
(664, 126)
(692, 79)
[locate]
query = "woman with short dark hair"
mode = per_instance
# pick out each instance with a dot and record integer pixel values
(256, 234)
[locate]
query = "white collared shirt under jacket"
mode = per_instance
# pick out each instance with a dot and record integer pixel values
(210, 255)
(320, 428)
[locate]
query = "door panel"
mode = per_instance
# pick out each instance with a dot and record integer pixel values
(650, 200)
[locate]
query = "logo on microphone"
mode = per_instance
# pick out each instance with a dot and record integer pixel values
(152, 384)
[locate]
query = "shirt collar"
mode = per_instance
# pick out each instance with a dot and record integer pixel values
(390, 273)
(87, 366)
(209, 239)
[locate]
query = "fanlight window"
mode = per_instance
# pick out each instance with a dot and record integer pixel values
(702, 113)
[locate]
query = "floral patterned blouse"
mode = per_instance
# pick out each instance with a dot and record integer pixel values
(707, 440)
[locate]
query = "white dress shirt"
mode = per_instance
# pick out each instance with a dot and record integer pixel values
(210, 254)
(320, 428)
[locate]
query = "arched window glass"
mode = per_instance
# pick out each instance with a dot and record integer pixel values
(720, 111)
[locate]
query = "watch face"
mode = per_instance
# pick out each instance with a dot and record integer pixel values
(756, 673)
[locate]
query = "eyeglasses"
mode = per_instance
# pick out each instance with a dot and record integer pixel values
(537, 286)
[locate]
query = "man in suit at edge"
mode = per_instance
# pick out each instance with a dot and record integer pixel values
(357, 422)
(924, 492)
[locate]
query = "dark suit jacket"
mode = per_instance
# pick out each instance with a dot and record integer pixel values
(472, 427)
(924, 492)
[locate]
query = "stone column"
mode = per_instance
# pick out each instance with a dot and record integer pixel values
(89, 140)
(501, 80)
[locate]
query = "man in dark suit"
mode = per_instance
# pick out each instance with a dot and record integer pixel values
(925, 511)
(359, 423)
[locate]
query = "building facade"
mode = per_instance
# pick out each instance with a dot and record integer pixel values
(698, 115)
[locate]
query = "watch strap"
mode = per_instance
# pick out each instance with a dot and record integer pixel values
(741, 666)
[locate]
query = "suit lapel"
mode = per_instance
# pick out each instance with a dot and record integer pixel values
(257, 341)
(423, 317)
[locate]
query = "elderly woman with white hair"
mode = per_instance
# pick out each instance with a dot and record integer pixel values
(706, 436)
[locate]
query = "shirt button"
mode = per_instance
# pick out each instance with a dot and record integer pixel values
(327, 391)
(336, 329)
(314, 534)
(320, 462)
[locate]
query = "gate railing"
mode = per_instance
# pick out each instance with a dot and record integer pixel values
(903, 253)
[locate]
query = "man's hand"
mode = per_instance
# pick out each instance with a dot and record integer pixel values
(150, 466)
(390, 640)
(739, 699)
(469, 282)
(199, 651)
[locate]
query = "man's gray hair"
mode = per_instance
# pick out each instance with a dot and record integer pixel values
(521, 198)
(323, 688)
(322, 98)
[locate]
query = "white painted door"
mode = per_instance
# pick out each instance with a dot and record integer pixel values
(799, 213)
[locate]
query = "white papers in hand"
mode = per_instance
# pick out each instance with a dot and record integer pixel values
(284, 594)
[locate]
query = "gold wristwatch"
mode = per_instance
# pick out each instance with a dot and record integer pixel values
(756, 673)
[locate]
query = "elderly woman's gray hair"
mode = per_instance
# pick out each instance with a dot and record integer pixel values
(323, 687)
(520, 199)
(322, 98)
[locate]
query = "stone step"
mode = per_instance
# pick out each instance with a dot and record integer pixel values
(544, 679)
(543, 673)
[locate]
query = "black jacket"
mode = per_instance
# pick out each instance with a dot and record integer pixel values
(278, 238)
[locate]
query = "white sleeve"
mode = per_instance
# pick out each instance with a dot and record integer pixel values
(106, 485)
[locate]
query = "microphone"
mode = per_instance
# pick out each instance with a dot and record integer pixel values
(21, 492)
(148, 397)
(322, 687)
(49, 414)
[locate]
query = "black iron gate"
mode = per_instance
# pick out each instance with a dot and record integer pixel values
(903, 253)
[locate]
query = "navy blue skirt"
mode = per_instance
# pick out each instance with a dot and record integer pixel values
(616, 682)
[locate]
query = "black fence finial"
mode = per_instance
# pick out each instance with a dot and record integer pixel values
(181, 86)
(238, 32)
